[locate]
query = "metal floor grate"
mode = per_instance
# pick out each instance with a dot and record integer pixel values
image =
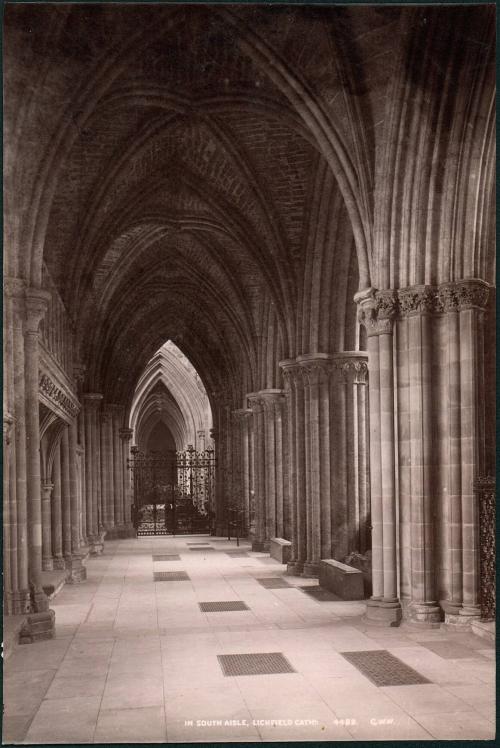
(166, 557)
(220, 606)
(170, 576)
(273, 583)
(236, 554)
(319, 593)
(266, 560)
(265, 663)
(384, 669)
(205, 542)
(202, 550)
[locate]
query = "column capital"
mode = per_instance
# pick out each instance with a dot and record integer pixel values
(37, 303)
(315, 367)
(353, 362)
(8, 422)
(417, 300)
(240, 415)
(14, 287)
(377, 310)
(79, 373)
(126, 434)
(92, 400)
(470, 293)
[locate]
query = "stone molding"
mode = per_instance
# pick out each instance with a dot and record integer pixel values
(126, 434)
(37, 303)
(318, 367)
(92, 400)
(8, 423)
(57, 398)
(377, 310)
(240, 415)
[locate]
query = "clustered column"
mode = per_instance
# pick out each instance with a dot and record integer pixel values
(242, 458)
(91, 405)
(125, 497)
(377, 312)
(270, 477)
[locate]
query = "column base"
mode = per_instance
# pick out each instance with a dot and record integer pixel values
(47, 564)
(38, 627)
(463, 617)
(382, 612)
(424, 614)
(39, 602)
(311, 569)
(57, 563)
(17, 603)
(295, 568)
(96, 544)
(76, 569)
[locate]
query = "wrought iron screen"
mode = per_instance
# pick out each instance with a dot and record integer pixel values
(173, 491)
(485, 489)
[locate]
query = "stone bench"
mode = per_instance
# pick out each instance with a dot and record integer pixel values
(280, 549)
(344, 581)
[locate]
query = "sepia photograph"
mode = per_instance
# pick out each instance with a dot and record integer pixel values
(249, 372)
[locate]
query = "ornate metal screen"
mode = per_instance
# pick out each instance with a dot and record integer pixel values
(173, 491)
(485, 489)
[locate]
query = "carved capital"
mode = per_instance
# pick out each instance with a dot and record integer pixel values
(353, 365)
(14, 287)
(8, 422)
(465, 294)
(92, 400)
(240, 416)
(126, 434)
(376, 310)
(417, 300)
(37, 302)
(79, 374)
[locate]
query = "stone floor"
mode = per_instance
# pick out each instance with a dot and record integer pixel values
(135, 661)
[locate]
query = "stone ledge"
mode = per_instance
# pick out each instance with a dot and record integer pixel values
(341, 579)
(280, 549)
(484, 629)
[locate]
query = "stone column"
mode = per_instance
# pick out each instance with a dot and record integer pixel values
(118, 479)
(316, 373)
(9, 523)
(126, 436)
(242, 418)
(107, 467)
(201, 441)
(92, 403)
(362, 445)
(66, 499)
(15, 297)
(47, 562)
(293, 375)
(349, 437)
(256, 404)
(377, 310)
(417, 305)
(463, 303)
(37, 301)
(273, 401)
(78, 571)
(56, 513)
